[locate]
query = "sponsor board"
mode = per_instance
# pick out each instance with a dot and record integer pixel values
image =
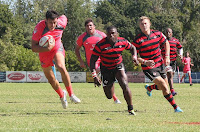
(36, 76)
(77, 76)
(15, 76)
(74, 76)
(136, 77)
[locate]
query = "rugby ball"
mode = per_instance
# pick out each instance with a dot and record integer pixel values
(46, 40)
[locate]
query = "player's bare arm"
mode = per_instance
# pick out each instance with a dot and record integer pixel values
(36, 48)
(167, 53)
(77, 52)
(134, 54)
(93, 59)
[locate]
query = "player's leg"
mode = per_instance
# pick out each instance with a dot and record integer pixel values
(170, 76)
(49, 74)
(149, 88)
(60, 63)
(184, 74)
(54, 69)
(170, 81)
(123, 82)
(162, 85)
(108, 80)
(97, 67)
(190, 78)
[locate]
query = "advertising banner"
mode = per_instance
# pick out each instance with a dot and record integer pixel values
(15, 76)
(36, 76)
(136, 77)
(77, 76)
(2, 76)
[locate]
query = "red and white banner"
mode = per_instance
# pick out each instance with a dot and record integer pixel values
(36, 76)
(15, 76)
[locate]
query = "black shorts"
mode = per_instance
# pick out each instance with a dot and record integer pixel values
(173, 65)
(108, 75)
(155, 72)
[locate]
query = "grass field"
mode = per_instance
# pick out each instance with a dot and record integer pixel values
(36, 107)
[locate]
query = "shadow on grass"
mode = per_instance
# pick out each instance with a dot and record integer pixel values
(64, 113)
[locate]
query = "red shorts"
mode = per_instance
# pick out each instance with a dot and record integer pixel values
(46, 58)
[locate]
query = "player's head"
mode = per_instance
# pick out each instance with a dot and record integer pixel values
(168, 32)
(144, 24)
(187, 54)
(89, 26)
(51, 19)
(112, 34)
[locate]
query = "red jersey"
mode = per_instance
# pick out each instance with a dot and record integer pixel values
(41, 30)
(149, 47)
(174, 44)
(187, 66)
(111, 55)
(89, 41)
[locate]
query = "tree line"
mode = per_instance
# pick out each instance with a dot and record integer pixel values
(19, 17)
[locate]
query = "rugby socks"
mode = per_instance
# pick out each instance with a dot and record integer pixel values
(60, 92)
(114, 97)
(172, 90)
(171, 100)
(69, 90)
(151, 87)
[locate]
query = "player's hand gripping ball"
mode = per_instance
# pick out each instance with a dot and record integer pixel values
(46, 40)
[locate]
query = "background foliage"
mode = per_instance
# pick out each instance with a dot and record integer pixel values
(19, 17)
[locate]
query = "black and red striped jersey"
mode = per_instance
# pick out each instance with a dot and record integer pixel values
(111, 55)
(148, 47)
(174, 44)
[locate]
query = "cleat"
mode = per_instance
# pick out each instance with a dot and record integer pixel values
(64, 100)
(131, 112)
(75, 99)
(117, 101)
(174, 93)
(149, 93)
(191, 84)
(178, 109)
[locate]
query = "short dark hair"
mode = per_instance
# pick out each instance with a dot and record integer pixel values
(51, 14)
(110, 27)
(88, 21)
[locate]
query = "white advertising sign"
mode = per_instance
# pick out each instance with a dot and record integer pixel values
(77, 76)
(15, 76)
(74, 76)
(36, 76)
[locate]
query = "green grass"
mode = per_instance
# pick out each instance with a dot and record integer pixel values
(36, 107)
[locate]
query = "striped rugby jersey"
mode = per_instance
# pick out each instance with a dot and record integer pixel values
(174, 44)
(148, 47)
(111, 55)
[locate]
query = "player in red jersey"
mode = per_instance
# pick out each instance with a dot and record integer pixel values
(88, 40)
(187, 70)
(109, 50)
(53, 25)
(148, 45)
(174, 45)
